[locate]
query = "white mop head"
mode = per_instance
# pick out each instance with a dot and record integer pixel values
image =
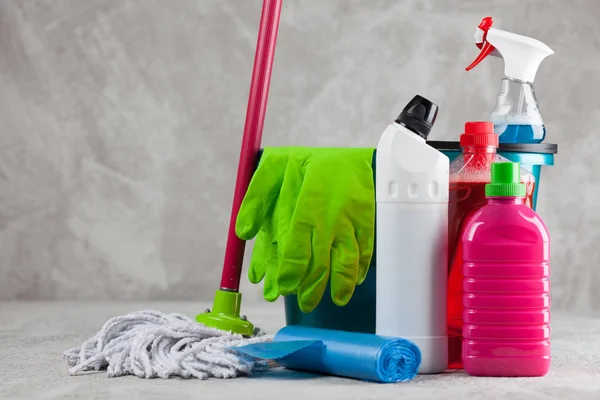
(151, 344)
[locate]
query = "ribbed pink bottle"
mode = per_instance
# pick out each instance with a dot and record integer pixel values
(506, 252)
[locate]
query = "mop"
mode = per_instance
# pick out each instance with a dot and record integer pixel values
(151, 344)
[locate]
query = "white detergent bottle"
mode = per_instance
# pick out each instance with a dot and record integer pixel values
(411, 232)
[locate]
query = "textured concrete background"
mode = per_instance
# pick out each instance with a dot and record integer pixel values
(121, 125)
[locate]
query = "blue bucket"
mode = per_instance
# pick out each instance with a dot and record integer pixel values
(359, 314)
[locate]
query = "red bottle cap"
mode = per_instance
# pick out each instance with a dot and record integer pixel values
(480, 133)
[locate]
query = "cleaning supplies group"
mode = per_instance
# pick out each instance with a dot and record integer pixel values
(462, 259)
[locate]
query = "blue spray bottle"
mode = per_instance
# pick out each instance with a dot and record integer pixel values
(516, 117)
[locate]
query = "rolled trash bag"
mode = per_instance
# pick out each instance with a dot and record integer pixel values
(354, 355)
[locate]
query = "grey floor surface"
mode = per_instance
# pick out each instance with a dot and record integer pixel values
(32, 336)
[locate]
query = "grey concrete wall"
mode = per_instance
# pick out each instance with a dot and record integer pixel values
(121, 124)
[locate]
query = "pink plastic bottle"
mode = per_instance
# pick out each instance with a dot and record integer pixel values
(469, 174)
(506, 251)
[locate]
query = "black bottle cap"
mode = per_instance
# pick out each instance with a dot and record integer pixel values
(418, 116)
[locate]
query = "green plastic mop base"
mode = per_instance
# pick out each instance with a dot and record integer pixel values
(225, 314)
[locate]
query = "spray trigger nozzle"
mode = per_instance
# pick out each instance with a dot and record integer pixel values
(481, 41)
(522, 55)
(482, 30)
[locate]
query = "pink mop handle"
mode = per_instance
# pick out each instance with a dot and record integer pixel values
(255, 119)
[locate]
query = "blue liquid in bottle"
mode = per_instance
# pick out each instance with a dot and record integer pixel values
(512, 133)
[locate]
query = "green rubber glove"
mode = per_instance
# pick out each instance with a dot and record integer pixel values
(257, 217)
(315, 212)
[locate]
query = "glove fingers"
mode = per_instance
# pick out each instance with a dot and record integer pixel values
(259, 260)
(295, 259)
(270, 289)
(365, 241)
(262, 193)
(344, 269)
(263, 264)
(364, 221)
(290, 195)
(315, 282)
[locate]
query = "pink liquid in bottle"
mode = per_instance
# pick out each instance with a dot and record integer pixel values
(506, 250)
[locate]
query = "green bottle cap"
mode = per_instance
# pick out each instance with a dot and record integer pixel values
(506, 181)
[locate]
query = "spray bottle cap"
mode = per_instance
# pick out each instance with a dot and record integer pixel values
(506, 181)
(479, 133)
(418, 116)
(522, 55)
